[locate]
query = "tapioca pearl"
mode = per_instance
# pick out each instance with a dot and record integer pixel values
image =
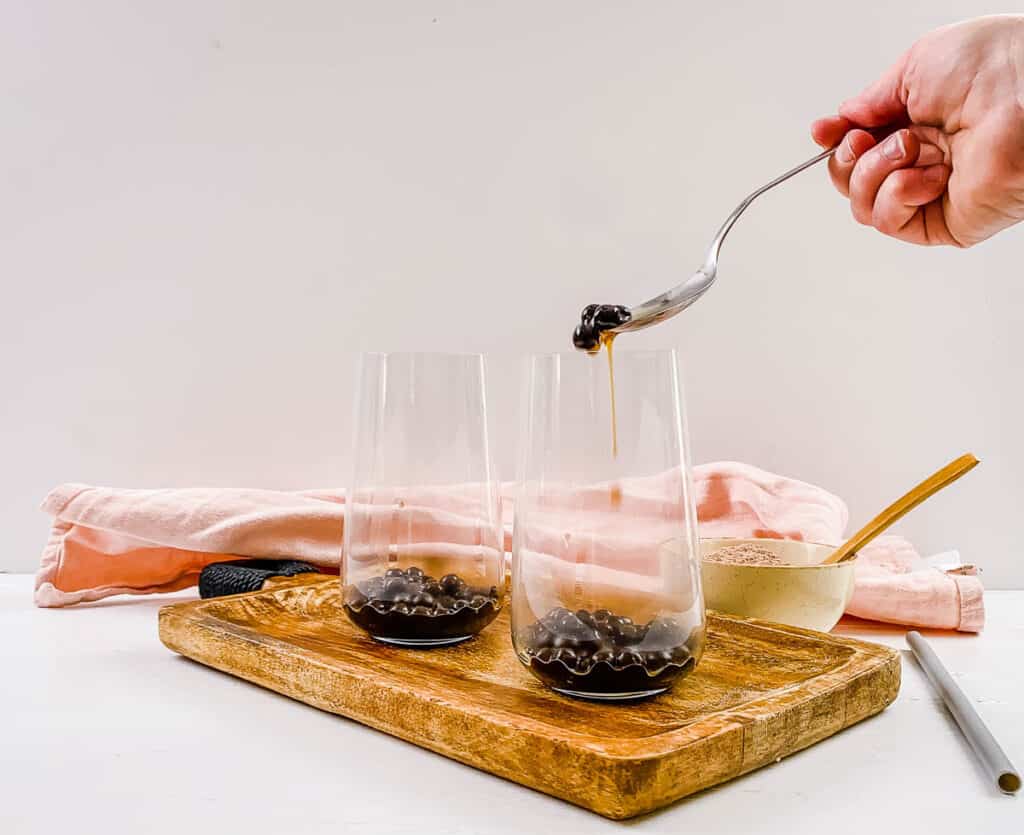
(434, 589)
(627, 658)
(423, 599)
(608, 316)
(680, 654)
(567, 655)
(573, 627)
(394, 572)
(612, 631)
(395, 585)
(537, 635)
(663, 633)
(566, 624)
(569, 624)
(585, 339)
(596, 319)
(414, 573)
(355, 598)
(548, 623)
(453, 584)
(585, 617)
(629, 634)
(657, 660)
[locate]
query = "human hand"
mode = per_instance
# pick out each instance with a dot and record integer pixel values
(954, 171)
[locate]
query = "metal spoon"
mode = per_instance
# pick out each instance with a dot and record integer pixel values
(674, 301)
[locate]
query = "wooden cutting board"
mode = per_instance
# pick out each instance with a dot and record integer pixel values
(761, 691)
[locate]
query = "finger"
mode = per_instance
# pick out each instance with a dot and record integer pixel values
(841, 164)
(881, 102)
(929, 155)
(897, 151)
(829, 131)
(903, 193)
(935, 137)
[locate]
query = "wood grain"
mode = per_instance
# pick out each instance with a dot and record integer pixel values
(762, 691)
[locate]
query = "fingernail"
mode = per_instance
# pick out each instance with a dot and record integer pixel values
(844, 153)
(893, 147)
(936, 174)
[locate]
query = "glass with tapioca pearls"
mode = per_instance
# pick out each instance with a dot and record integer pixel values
(423, 562)
(606, 596)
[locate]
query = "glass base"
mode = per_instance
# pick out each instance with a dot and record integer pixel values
(421, 643)
(611, 697)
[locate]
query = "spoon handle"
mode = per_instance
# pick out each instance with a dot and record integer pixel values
(680, 297)
(903, 505)
(711, 260)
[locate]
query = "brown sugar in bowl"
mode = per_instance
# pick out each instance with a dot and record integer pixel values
(796, 590)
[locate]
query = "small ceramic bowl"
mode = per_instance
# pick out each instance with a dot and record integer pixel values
(801, 593)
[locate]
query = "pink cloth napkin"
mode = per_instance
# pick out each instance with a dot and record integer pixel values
(109, 541)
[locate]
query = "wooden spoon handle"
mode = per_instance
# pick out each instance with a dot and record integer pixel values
(903, 505)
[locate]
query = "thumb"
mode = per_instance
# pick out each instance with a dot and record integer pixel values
(882, 102)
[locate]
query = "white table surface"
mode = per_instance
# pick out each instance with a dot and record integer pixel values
(105, 730)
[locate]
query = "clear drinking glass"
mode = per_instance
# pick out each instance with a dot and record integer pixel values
(423, 561)
(606, 597)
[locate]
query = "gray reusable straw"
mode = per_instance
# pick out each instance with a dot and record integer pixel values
(996, 763)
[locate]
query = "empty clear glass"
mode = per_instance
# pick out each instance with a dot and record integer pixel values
(606, 598)
(423, 562)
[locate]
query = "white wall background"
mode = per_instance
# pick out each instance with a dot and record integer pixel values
(207, 208)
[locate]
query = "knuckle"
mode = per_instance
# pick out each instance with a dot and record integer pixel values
(899, 186)
(877, 162)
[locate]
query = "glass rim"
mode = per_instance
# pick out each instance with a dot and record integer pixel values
(619, 352)
(437, 354)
